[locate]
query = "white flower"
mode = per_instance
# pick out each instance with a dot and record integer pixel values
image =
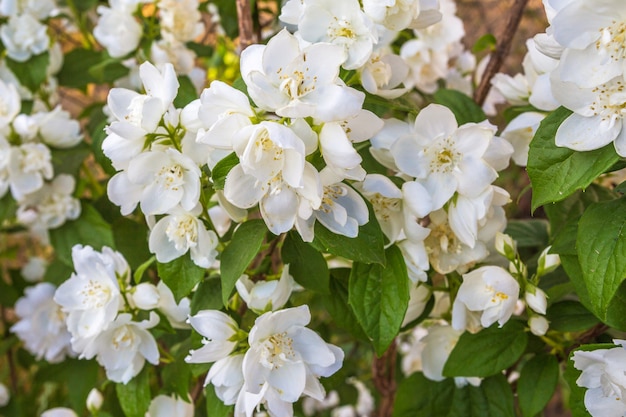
(547, 262)
(538, 325)
(386, 199)
(166, 406)
(145, 296)
(29, 165)
(217, 329)
(284, 361)
(519, 132)
(180, 19)
(23, 37)
(445, 158)
(59, 412)
(117, 29)
(58, 129)
(490, 292)
(91, 296)
(5, 395)
(158, 181)
(419, 296)
(226, 375)
(42, 324)
(34, 269)
(341, 23)
(124, 347)
(173, 52)
(41, 9)
(180, 232)
(295, 82)
(10, 103)
(536, 299)
(395, 15)
(383, 73)
(604, 377)
(94, 400)
(264, 296)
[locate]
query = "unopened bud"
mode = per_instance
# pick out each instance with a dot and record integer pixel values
(94, 400)
(538, 325)
(547, 262)
(505, 246)
(536, 299)
(146, 296)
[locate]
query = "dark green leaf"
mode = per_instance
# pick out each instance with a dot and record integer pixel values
(221, 170)
(241, 250)
(307, 266)
(570, 316)
(180, 275)
(537, 383)
(367, 247)
(528, 233)
(337, 304)
(131, 239)
(464, 108)
(134, 397)
(79, 376)
(379, 297)
(555, 172)
(75, 70)
(208, 296)
(176, 377)
(97, 137)
(601, 247)
(89, 229)
(486, 42)
(8, 207)
(8, 294)
(186, 92)
(487, 352)
(68, 161)
(108, 70)
(32, 73)
(58, 272)
(214, 406)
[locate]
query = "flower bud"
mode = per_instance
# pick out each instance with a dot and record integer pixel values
(146, 296)
(34, 269)
(547, 262)
(505, 246)
(5, 396)
(536, 299)
(94, 400)
(538, 325)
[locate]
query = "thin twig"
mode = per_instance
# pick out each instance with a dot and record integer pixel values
(10, 358)
(384, 370)
(246, 28)
(502, 50)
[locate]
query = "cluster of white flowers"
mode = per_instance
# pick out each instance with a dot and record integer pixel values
(44, 201)
(24, 35)
(101, 322)
(281, 361)
(120, 31)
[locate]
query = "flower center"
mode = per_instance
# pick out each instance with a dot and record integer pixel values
(35, 158)
(613, 40)
(610, 102)
(171, 177)
(95, 295)
(183, 231)
(386, 208)
(123, 338)
(341, 28)
(276, 350)
(331, 193)
(443, 157)
(298, 83)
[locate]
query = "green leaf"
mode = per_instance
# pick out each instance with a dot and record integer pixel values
(141, 269)
(32, 73)
(487, 352)
(180, 275)
(486, 42)
(307, 266)
(214, 406)
(79, 376)
(97, 137)
(134, 397)
(58, 272)
(464, 108)
(537, 383)
(337, 304)
(379, 297)
(208, 296)
(418, 396)
(8, 207)
(571, 374)
(367, 247)
(570, 316)
(75, 70)
(108, 69)
(241, 250)
(131, 239)
(556, 173)
(68, 161)
(176, 377)
(90, 229)
(186, 92)
(528, 233)
(601, 247)
(221, 170)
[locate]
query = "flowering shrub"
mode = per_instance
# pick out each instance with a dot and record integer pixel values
(314, 223)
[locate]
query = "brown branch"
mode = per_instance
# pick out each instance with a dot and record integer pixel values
(384, 369)
(246, 28)
(502, 50)
(9, 353)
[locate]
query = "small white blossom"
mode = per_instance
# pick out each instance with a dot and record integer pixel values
(5, 395)
(264, 296)
(536, 299)
(58, 129)
(59, 412)
(94, 400)
(538, 325)
(23, 37)
(217, 329)
(34, 269)
(117, 29)
(166, 406)
(29, 165)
